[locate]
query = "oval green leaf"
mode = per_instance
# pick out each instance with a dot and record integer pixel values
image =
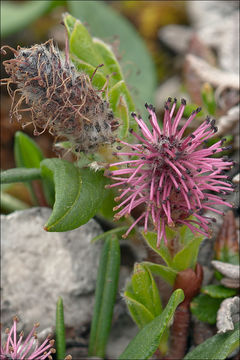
(205, 308)
(78, 194)
(218, 291)
(166, 273)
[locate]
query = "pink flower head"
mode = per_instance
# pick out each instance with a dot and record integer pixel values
(17, 348)
(172, 175)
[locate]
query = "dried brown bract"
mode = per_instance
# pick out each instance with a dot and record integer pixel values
(58, 97)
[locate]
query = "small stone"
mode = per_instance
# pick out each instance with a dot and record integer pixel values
(228, 314)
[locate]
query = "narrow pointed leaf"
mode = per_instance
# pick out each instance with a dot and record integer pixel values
(146, 342)
(60, 331)
(26, 152)
(107, 283)
(217, 347)
(140, 314)
(19, 175)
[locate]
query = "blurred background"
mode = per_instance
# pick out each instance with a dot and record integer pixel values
(184, 49)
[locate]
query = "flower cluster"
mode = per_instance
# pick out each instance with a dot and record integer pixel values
(16, 348)
(174, 176)
(58, 97)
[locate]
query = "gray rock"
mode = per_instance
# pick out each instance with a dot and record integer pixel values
(38, 267)
(171, 34)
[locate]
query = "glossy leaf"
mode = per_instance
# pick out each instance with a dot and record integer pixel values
(218, 291)
(78, 194)
(205, 308)
(19, 175)
(146, 342)
(106, 289)
(217, 347)
(166, 273)
(136, 61)
(60, 331)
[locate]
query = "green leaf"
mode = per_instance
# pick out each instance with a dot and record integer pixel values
(106, 289)
(10, 203)
(145, 289)
(208, 98)
(122, 105)
(162, 250)
(81, 43)
(60, 331)
(218, 291)
(205, 308)
(187, 257)
(166, 273)
(78, 194)
(136, 61)
(147, 340)
(26, 152)
(15, 17)
(119, 230)
(19, 175)
(140, 314)
(109, 59)
(217, 347)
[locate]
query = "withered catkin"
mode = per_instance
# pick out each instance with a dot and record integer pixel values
(59, 98)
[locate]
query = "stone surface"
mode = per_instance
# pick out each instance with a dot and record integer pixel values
(38, 267)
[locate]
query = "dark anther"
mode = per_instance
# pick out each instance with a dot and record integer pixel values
(198, 109)
(133, 114)
(183, 177)
(119, 148)
(130, 130)
(183, 102)
(199, 170)
(192, 136)
(166, 107)
(175, 100)
(194, 187)
(223, 140)
(213, 122)
(215, 129)
(213, 151)
(189, 144)
(146, 105)
(188, 171)
(208, 119)
(227, 148)
(164, 202)
(169, 99)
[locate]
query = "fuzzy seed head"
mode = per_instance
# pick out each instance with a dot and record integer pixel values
(171, 175)
(58, 97)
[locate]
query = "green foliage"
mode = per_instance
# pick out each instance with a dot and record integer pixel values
(217, 347)
(135, 58)
(146, 342)
(60, 331)
(208, 98)
(166, 273)
(143, 290)
(19, 175)
(106, 288)
(143, 300)
(218, 291)
(205, 308)
(87, 53)
(184, 258)
(78, 194)
(118, 230)
(15, 17)
(26, 152)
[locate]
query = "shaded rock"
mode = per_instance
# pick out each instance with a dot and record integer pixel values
(228, 314)
(171, 34)
(38, 267)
